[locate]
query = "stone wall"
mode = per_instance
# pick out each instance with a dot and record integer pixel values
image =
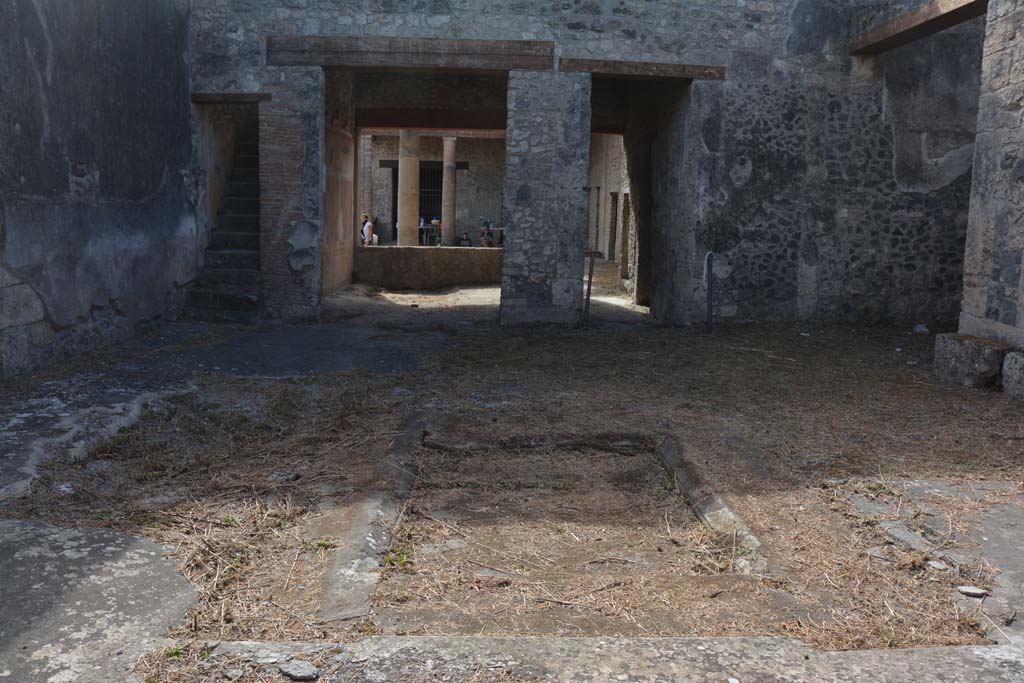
(993, 304)
(427, 268)
(97, 229)
(822, 201)
(545, 205)
(478, 188)
(801, 170)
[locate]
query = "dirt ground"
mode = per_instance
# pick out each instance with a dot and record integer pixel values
(560, 542)
(789, 422)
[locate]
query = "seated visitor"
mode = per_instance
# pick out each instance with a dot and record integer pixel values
(465, 241)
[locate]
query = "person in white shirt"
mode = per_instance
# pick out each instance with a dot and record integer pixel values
(366, 233)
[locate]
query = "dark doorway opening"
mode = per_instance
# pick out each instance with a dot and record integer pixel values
(431, 183)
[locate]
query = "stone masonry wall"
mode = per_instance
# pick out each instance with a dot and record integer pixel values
(802, 169)
(478, 189)
(545, 203)
(97, 229)
(993, 303)
(831, 188)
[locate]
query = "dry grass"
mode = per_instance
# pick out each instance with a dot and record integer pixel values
(226, 475)
(554, 541)
(766, 414)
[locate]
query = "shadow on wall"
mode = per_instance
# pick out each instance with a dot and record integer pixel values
(98, 226)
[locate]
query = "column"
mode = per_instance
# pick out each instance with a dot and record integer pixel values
(545, 201)
(408, 188)
(449, 229)
(993, 295)
(340, 164)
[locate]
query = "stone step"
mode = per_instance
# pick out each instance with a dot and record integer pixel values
(237, 222)
(247, 160)
(233, 258)
(210, 278)
(246, 175)
(250, 205)
(244, 188)
(230, 239)
(225, 298)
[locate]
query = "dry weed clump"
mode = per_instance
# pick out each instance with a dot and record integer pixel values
(198, 662)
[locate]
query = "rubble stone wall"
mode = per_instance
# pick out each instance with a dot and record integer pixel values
(545, 204)
(832, 187)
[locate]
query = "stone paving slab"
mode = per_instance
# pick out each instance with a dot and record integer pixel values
(630, 660)
(82, 605)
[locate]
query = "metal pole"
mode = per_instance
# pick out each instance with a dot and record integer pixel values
(709, 267)
(590, 286)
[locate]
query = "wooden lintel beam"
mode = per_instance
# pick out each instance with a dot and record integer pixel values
(438, 119)
(229, 97)
(410, 53)
(485, 134)
(610, 68)
(929, 18)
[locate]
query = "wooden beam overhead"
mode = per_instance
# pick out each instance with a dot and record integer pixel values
(929, 18)
(479, 133)
(410, 53)
(229, 97)
(610, 68)
(437, 119)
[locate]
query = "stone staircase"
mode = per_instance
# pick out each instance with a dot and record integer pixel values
(228, 286)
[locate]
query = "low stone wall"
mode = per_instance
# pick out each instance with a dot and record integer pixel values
(428, 267)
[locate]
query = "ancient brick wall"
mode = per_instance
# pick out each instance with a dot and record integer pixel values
(97, 224)
(292, 184)
(993, 303)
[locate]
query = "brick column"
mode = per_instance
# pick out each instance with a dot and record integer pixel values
(292, 192)
(449, 229)
(993, 301)
(408, 188)
(545, 204)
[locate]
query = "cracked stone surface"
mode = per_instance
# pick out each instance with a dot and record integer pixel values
(631, 660)
(82, 605)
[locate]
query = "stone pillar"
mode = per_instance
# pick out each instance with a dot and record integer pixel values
(292, 182)
(408, 188)
(545, 202)
(993, 300)
(449, 229)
